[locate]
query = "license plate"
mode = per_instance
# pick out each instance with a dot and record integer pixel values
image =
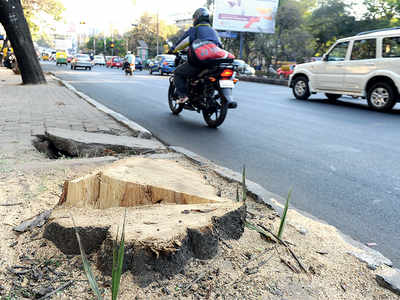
(226, 84)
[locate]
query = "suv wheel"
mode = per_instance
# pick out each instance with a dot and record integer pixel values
(332, 97)
(300, 88)
(381, 97)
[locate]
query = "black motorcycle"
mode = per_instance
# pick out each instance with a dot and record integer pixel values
(210, 92)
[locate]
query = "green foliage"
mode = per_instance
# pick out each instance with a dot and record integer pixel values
(86, 265)
(244, 188)
(118, 261)
(37, 11)
(283, 219)
(330, 21)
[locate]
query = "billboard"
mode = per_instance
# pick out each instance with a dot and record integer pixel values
(61, 44)
(245, 15)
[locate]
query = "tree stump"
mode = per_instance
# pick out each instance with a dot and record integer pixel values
(172, 215)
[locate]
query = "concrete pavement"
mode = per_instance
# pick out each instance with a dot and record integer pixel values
(26, 111)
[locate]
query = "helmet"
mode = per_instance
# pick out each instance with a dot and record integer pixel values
(201, 15)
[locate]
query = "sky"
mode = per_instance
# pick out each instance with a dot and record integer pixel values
(119, 14)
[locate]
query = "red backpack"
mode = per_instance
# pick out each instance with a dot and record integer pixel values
(203, 53)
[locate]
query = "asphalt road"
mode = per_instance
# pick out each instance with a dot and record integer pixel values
(342, 160)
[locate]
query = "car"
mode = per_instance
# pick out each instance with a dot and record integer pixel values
(164, 64)
(107, 58)
(285, 71)
(114, 62)
(99, 60)
(365, 66)
(81, 61)
(138, 64)
(243, 68)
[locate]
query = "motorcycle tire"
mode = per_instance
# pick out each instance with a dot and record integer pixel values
(173, 106)
(220, 114)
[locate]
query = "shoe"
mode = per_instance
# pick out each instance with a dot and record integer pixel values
(182, 100)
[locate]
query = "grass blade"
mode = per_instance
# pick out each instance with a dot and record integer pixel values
(86, 265)
(118, 262)
(115, 260)
(244, 192)
(283, 219)
(237, 194)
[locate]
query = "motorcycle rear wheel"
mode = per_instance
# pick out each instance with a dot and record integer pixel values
(219, 112)
(173, 106)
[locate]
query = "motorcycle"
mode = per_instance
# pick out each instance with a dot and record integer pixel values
(210, 92)
(128, 68)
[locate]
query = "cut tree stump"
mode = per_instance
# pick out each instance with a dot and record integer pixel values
(172, 215)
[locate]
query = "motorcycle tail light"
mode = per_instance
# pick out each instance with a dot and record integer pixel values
(212, 79)
(165, 63)
(227, 73)
(235, 80)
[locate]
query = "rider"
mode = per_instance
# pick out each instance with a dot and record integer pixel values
(201, 30)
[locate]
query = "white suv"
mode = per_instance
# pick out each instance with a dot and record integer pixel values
(366, 65)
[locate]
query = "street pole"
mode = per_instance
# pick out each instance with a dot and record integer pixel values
(94, 45)
(158, 28)
(112, 41)
(104, 42)
(241, 45)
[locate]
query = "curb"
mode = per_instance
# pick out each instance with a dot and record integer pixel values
(371, 257)
(264, 79)
(139, 131)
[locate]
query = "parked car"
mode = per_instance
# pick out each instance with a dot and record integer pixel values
(164, 64)
(114, 62)
(81, 61)
(366, 66)
(107, 58)
(286, 70)
(138, 63)
(243, 68)
(99, 60)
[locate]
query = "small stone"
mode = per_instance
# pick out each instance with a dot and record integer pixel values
(195, 287)
(218, 193)
(166, 291)
(43, 291)
(303, 231)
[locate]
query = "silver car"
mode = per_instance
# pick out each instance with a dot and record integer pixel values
(81, 61)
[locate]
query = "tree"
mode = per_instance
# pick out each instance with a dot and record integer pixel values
(331, 20)
(146, 30)
(37, 10)
(13, 20)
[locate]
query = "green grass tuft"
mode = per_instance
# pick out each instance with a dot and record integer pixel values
(283, 219)
(244, 191)
(86, 265)
(118, 261)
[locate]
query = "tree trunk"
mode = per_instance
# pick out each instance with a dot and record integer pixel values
(13, 20)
